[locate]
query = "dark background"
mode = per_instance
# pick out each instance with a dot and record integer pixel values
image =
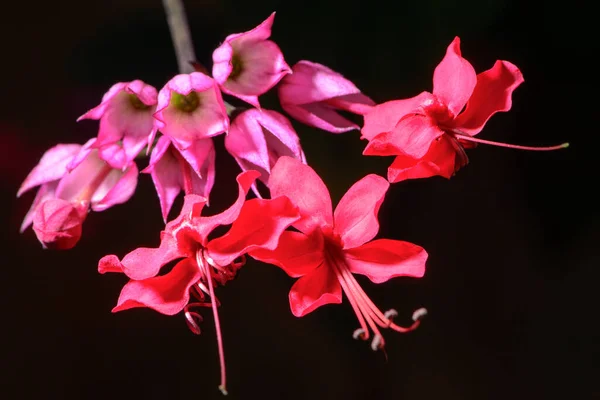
(513, 237)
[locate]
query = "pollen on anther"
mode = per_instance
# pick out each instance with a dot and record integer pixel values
(419, 314)
(359, 334)
(377, 343)
(391, 314)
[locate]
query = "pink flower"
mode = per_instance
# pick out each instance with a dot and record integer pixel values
(73, 179)
(428, 133)
(191, 170)
(313, 93)
(247, 64)
(203, 263)
(257, 138)
(331, 246)
(125, 115)
(190, 107)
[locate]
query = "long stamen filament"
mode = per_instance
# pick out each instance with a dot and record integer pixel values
(469, 138)
(206, 270)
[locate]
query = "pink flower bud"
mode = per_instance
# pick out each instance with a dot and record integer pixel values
(57, 223)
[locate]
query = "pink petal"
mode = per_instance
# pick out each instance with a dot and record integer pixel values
(320, 116)
(313, 92)
(411, 137)
(45, 192)
(312, 83)
(205, 225)
(88, 172)
(209, 119)
(305, 189)
(454, 79)
(384, 117)
(296, 253)
(257, 138)
(57, 223)
(492, 94)
(384, 259)
(83, 153)
(144, 262)
(52, 166)
(356, 214)
(440, 160)
(314, 290)
(116, 188)
(167, 294)
(165, 170)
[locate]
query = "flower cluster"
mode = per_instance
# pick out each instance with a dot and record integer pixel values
(295, 228)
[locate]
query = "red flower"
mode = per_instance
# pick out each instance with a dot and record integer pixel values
(332, 245)
(428, 133)
(204, 263)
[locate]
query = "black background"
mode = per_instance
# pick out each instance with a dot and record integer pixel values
(512, 238)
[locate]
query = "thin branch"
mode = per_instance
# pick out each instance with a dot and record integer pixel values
(180, 33)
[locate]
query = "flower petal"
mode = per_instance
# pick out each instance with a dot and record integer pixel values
(165, 170)
(52, 166)
(116, 188)
(412, 137)
(144, 262)
(258, 226)
(167, 294)
(299, 182)
(355, 216)
(296, 253)
(205, 225)
(320, 116)
(110, 263)
(45, 192)
(314, 290)
(384, 117)
(492, 94)
(384, 259)
(454, 79)
(439, 160)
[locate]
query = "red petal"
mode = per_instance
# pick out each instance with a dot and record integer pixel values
(412, 137)
(143, 262)
(205, 225)
(384, 117)
(492, 94)
(454, 79)
(259, 225)
(297, 254)
(356, 214)
(299, 182)
(110, 263)
(383, 259)
(439, 160)
(314, 290)
(167, 294)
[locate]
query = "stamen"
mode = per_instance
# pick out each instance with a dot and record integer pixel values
(203, 265)
(419, 314)
(391, 314)
(359, 334)
(377, 343)
(469, 138)
(192, 319)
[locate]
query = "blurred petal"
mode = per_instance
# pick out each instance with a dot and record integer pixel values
(52, 166)
(356, 214)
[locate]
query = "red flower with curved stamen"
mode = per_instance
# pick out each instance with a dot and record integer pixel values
(204, 263)
(331, 246)
(428, 133)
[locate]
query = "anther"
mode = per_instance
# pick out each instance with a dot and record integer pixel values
(223, 390)
(390, 314)
(377, 343)
(419, 314)
(193, 320)
(359, 334)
